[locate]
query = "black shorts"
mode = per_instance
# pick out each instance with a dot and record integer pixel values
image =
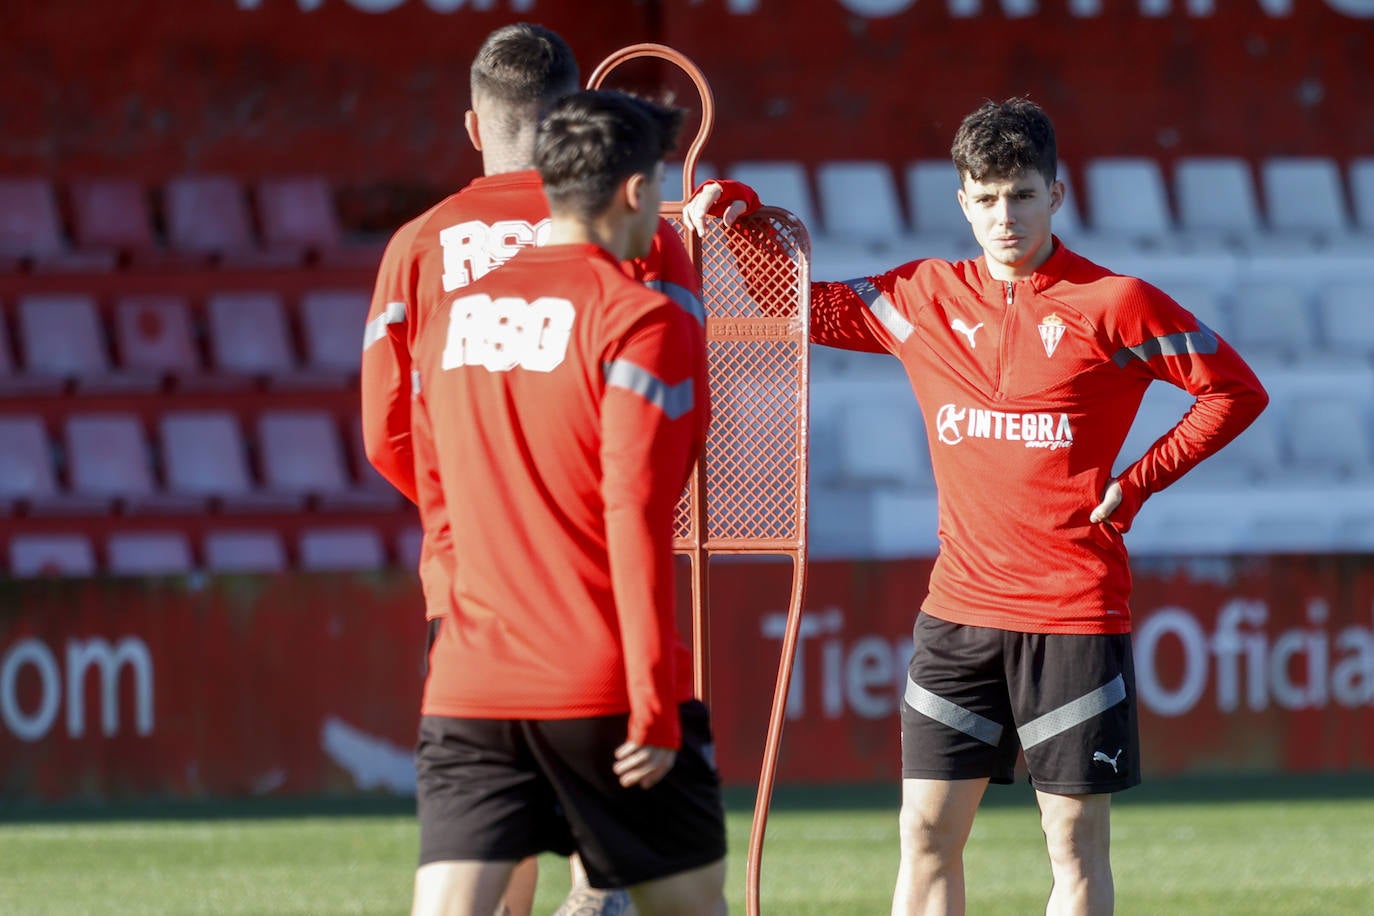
(977, 695)
(503, 789)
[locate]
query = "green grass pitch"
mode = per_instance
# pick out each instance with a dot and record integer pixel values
(1214, 845)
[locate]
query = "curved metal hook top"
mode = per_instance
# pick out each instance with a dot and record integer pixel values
(708, 103)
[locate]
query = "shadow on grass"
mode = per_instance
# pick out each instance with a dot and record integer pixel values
(1216, 788)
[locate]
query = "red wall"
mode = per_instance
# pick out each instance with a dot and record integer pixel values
(311, 683)
(260, 86)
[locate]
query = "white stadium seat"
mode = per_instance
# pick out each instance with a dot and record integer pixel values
(1303, 195)
(1127, 198)
(1275, 320)
(51, 554)
(1331, 438)
(244, 552)
(148, 553)
(203, 453)
(1345, 312)
(859, 201)
(300, 452)
(332, 323)
(1216, 196)
(883, 444)
(932, 185)
(338, 549)
(249, 333)
(780, 184)
(1362, 192)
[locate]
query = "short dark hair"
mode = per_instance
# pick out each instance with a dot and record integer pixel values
(593, 140)
(525, 68)
(1002, 139)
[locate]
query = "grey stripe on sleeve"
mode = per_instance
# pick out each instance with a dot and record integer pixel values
(394, 313)
(684, 297)
(1203, 340)
(673, 400)
(882, 308)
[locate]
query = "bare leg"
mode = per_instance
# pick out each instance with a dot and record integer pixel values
(1078, 836)
(699, 892)
(519, 896)
(934, 825)
(460, 888)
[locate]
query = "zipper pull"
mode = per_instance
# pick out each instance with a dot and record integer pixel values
(1010, 286)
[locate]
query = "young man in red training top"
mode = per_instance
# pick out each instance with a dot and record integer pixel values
(1029, 364)
(519, 71)
(561, 406)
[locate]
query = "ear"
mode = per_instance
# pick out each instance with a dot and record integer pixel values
(1057, 193)
(963, 204)
(634, 191)
(474, 134)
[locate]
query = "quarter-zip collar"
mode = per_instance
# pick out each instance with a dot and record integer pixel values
(1054, 268)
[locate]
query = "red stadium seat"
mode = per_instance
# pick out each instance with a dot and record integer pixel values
(154, 333)
(51, 555)
(148, 553)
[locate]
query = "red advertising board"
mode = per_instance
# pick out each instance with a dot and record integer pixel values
(306, 684)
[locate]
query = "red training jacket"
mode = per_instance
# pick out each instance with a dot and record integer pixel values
(1028, 389)
(561, 407)
(461, 239)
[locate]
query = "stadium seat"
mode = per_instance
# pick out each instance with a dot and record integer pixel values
(1332, 438)
(249, 333)
(859, 202)
(299, 452)
(15, 383)
(931, 186)
(154, 333)
(207, 214)
(203, 454)
(108, 456)
(1127, 199)
(34, 555)
(1362, 192)
(883, 444)
(332, 326)
(244, 552)
(298, 214)
(1345, 312)
(26, 461)
(60, 335)
(1304, 196)
(1216, 197)
(112, 214)
(148, 553)
(338, 549)
(1272, 320)
(30, 223)
(780, 184)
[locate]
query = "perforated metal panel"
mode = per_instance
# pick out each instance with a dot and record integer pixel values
(756, 331)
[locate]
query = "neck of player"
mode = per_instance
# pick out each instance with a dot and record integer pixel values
(608, 233)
